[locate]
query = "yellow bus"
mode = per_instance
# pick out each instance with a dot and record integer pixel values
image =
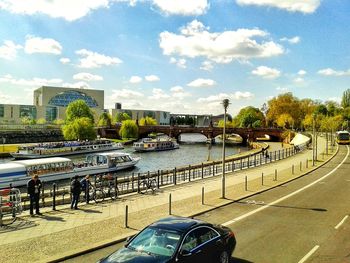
(343, 137)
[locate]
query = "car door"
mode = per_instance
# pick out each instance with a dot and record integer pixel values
(198, 245)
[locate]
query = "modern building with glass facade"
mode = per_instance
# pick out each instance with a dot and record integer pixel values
(50, 103)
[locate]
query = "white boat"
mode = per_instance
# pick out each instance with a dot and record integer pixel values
(150, 145)
(56, 149)
(17, 173)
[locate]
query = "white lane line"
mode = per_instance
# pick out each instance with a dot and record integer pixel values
(287, 196)
(341, 222)
(306, 257)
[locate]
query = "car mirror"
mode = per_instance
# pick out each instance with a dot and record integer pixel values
(185, 253)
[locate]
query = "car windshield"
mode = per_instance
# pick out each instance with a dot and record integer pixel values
(156, 241)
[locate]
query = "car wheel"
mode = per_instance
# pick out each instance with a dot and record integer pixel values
(224, 257)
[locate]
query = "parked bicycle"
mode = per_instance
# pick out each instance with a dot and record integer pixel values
(147, 184)
(10, 205)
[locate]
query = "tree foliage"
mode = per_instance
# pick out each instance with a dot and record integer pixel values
(345, 101)
(78, 109)
(147, 121)
(79, 129)
(249, 117)
(121, 116)
(105, 120)
(128, 129)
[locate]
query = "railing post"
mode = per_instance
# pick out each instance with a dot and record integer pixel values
(54, 197)
(213, 168)
(248, 163)
(174, 172)
(189, 173)
(241, 163)
(158, 178)
(169, 204)
(138, 182)
(116, 186)
(202, 170)
(43, 194)
(254, 160)
(132, 180)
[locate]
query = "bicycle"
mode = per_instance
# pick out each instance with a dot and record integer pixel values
(94, 194)
(148, 184)
(10, 205)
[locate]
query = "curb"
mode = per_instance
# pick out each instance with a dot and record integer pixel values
(122, 239)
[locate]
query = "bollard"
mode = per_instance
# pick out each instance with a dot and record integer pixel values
(292, 168)
(169, 204)
(262, 178)
(126, 216)
(202, 195)
(307, 163)
(300, 165)
(275, 175)
(54, 197)
(254, 160)
(246, 183)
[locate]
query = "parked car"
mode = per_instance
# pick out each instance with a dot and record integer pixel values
(177, 239)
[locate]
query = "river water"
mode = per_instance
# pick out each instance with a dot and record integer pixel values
(190, 152)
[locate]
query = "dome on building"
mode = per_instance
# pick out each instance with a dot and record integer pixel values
(64, 98)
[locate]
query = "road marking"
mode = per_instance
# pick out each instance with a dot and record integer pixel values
(341, 222)
(309, 254)
(287, 196)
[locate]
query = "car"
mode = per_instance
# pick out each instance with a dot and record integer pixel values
(177, 239)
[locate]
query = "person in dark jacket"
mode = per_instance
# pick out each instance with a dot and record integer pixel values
(34, 186)
(85, 183)
(75, 188)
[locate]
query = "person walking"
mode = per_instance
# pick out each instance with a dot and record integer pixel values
(75, 188)
(33, 188)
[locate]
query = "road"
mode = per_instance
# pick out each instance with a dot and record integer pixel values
(306, 220)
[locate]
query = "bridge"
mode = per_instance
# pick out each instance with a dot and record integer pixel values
(209, 132)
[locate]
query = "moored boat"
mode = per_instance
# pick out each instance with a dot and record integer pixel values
(59, 149)
(150, 145)
(17, 173)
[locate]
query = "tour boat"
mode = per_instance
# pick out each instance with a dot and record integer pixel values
(17, 173)
(149, 145)
(59, 149)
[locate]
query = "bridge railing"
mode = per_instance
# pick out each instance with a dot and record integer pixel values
(133, 183)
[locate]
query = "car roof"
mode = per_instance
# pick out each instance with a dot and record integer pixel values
(177, 223)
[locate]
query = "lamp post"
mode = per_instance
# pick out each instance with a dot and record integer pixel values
(225, 104)
(314, 143)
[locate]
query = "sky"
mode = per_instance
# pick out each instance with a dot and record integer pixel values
(182, 56)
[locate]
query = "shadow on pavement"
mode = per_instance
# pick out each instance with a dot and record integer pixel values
(91, 211)
(19, 224)
(239, 260)
(52, 218)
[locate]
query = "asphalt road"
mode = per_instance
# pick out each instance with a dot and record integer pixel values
(305, 220)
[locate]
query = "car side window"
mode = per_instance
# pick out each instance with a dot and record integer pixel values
(197, 237)
(205, 234)
(190, 242)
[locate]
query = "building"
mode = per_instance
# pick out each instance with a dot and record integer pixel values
(50, 103)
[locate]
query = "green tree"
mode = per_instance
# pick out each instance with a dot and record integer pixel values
(249, 117)
(79, 129)
(58, 122)
(121, 116)
(129, 129)
(41, 121)
(345, 101)
(27, 121)
(78, 109)
(105, 120)
(229, 124)
(147, 121)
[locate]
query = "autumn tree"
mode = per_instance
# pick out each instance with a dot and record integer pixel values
(147, 121)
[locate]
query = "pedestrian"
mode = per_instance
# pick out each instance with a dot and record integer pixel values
(33, 188)
(85, 183)
(75, 188)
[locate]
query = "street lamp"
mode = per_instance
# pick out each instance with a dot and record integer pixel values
(225, 103)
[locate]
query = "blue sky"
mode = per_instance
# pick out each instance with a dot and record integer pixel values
(181, 56)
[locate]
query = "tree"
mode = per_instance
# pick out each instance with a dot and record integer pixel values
(129, 129)
(249, 117)
(78, 109)
(79, 129)
(121, 116)
(229, 124)
(147, 121)
(58, 122)
(321, 109)
(285, 120)
(27, 120)
(345, 101)
(105, 120)
(41, 121)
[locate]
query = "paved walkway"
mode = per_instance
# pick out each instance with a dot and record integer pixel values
(60, 233)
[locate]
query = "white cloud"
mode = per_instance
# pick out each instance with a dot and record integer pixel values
(293, 40)
(64, 60)
(42, 45)
(196, 41)
(331, 72)
(92, 59)
(29, 82)
(238, 95)
(87, 77)
(152, 78)
(181, 63)
(299, 80)
(158, 94)
(126, 94)
(207, 65)
(9, 50)
(302, 72)
(303, 6)
(66, 9)
(4, 98)
(182, 7)
(77, 85)
(282, 89)
(335, 99)
(198, 83)
(179, 92)
(135, 79)
(266, 72)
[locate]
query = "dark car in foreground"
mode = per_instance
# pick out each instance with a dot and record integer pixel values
(177, 239)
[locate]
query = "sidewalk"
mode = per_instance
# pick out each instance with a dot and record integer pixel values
(61, 233)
